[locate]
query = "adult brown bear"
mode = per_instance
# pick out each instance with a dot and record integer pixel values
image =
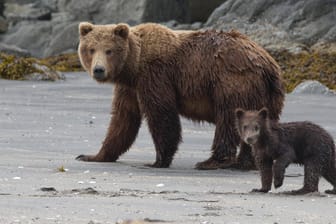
(160, 73)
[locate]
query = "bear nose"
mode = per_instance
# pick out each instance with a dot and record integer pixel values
(249, 140)
(99, 72)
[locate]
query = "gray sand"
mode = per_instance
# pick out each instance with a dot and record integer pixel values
(44, 126)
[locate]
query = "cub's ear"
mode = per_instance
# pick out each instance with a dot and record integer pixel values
(85, 28)
(122, 30)
(239, 113)
(263, 113)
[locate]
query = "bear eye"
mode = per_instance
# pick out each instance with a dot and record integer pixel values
(108, 52)
(92, 51)
(244, 127)
(256, 128)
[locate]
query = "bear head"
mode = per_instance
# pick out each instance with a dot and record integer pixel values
(251, 124)
(103, 50)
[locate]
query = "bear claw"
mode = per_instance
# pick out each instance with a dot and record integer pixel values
(82, 158)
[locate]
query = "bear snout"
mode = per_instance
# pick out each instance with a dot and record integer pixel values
(250, 140)
(99, 73)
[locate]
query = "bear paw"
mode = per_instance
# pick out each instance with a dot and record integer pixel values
(84, 158)
(158, 164)
(301, 191)
(213, 164)
(333, 191)
(91, 158)
(255, 190)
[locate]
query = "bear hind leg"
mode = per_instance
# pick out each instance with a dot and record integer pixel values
(312, 173)
(224, 146)
(330, 176)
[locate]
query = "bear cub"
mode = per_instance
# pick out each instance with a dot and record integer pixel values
(276, 145)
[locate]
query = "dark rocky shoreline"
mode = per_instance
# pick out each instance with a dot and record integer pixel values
(300, 35)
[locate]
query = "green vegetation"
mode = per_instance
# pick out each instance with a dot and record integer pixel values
(20, 68)
(320, 66)
(15, 68)
(64, 63)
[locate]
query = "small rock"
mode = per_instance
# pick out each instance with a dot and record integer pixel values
(13, 50)
(45, 73)
(312, 87)
(171, 24)
(196, 26)
(48, 189)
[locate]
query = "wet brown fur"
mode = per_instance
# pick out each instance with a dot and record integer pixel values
(276, 145)
(201, 75)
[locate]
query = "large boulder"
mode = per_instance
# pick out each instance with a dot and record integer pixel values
(289, 23)
(3, 25)
(13, 50)
(137, 11)
(32, 11)
(33, 36)
(65, 39)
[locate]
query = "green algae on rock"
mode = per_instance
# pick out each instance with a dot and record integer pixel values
(21, 68)
(296, 68)
(64, 62)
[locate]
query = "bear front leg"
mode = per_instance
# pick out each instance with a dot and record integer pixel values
(158, 104)
(280, 165)
(165, 128)
(245, 160)
(265, 167)
(123, 128)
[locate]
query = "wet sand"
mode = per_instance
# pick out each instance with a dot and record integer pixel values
(45, 125)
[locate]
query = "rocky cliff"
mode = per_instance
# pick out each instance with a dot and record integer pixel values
(278, 24)
(49, 27)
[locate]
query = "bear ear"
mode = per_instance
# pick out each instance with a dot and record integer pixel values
(85, 28)
(263, 113)
(122, 30)
(239, 113)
